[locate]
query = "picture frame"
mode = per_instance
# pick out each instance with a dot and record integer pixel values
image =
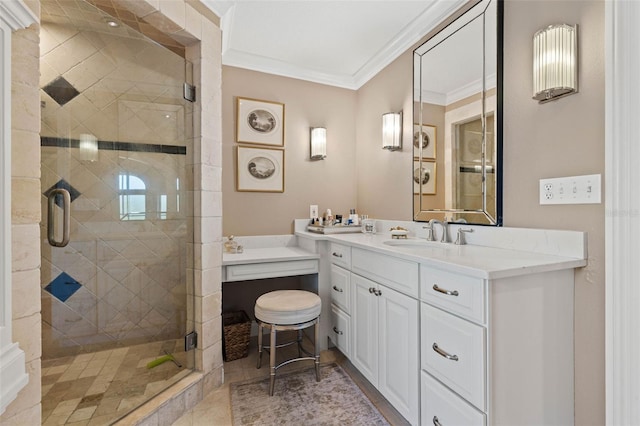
(427, 138)
(259, 169)
(259, 122)
(428, 175)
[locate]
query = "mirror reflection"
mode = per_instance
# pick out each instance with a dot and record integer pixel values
(457, 139)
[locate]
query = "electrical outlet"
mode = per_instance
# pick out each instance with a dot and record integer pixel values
(571, 190)
(313, 211)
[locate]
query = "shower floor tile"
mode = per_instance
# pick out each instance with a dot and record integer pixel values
(98, 388)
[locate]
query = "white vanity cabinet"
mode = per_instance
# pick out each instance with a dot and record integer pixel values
(385, 326)
(479, 334)
(340, 333)
(340, 290)
(496, 352)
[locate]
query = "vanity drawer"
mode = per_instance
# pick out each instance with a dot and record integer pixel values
(453, 351)
(341, 288)
(460, 294)
(398, 274)
(254, 271)
(340, 255)
(439, 404)
(339, 333)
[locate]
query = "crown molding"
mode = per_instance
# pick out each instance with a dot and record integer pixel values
(437, 12)
(407, 38)
(253, 62)
(16, 14)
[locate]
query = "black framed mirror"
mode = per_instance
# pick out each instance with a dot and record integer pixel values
(457, 119)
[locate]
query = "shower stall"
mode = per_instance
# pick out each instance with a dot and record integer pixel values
(117, 214)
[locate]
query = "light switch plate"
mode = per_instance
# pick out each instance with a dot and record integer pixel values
(571, 190)
(313, 211)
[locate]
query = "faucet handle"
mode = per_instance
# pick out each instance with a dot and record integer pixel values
(460, 240)
(429, 229)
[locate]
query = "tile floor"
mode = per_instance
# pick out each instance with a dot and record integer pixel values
(215, 408)
(98, 388)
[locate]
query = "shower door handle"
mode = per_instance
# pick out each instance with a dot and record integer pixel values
(66, 217)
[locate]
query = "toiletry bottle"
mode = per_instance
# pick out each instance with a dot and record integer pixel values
(230, 246)
(329, 218)
(353, 217)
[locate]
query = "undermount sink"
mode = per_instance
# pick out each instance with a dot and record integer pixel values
(416, 243)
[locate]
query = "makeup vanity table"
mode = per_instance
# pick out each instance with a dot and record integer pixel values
(267, 263)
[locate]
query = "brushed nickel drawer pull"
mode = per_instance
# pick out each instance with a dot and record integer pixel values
(334, 254)
(339, 290)
(436, 422)
(447, 292)
(443, 353)
(335, 330)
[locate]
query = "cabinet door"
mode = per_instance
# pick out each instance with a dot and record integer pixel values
(398, 377)
(364, 323)
(340, 333)
(441, 405)
(340, 288)
(453, 351)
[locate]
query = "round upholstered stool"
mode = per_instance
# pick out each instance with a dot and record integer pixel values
(288, 310)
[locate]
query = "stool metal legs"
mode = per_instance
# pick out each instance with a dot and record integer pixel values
(259, 344)
(272, 361)
(317, 349)
(273, 329)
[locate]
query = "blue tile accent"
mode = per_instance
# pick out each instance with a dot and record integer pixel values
(73, 193)
(63, 287)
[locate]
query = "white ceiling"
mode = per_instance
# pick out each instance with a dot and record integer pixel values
(341, 43)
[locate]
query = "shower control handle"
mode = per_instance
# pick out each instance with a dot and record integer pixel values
(66, 217)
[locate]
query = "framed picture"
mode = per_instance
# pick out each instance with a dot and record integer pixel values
(425, 138)
(425, 175)
(259, 122)
(259, 169)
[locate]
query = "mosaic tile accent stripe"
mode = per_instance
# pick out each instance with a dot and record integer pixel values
(116, 146)
(63, 287)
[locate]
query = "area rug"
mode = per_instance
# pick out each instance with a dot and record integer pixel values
(300, 400)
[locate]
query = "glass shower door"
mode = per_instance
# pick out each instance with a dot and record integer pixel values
(115, 161)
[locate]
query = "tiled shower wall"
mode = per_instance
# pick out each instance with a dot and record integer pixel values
(191, 22)
(118, 281)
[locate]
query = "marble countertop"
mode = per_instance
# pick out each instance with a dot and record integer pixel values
(267, 255)
(473, 260)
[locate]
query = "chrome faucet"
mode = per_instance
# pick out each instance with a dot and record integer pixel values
(461, 240)
(444, 238)
(429, 229)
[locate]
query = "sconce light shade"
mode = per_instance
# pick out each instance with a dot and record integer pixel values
(555, 62)
(392, 131)
(318, 143)
(88, 147)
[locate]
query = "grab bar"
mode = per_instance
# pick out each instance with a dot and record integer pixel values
(66, 217)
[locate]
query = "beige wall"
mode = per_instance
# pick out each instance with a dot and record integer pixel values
(561, 138)
(385, 187)
(329, 183)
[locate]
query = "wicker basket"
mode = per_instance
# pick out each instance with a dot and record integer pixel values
(237, 329)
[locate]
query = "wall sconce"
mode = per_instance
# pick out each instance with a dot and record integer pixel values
(555, 62)
(392, 131)
(318, 143)
(88, 147)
